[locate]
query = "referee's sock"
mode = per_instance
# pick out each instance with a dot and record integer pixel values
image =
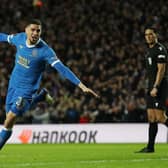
(153, 128)
(4, 136)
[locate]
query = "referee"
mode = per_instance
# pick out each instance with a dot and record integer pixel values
(157, 76)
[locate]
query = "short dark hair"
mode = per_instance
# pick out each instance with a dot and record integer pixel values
(153, 28)
(34, 21)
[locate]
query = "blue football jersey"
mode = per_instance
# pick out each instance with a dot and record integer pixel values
(30, 61)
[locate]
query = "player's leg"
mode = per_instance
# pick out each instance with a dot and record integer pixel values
(161, 116)
(10, 118)
(161, 109)
(153, 129)
(152, 132)
(153, 125)
(6, 132)
(156, 115)
(17, 108)
(42, 96)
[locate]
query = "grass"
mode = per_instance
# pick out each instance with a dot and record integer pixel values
(82, 156)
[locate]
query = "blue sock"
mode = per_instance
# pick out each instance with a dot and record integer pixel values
(38, 98)
(4, 136)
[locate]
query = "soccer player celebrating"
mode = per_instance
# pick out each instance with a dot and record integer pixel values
(31, 57)
(157, 74)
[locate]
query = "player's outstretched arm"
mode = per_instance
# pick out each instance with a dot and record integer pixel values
(67, 73)
(3, 37)
(87, 90)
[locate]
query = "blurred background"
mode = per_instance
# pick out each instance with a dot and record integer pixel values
(102, 42)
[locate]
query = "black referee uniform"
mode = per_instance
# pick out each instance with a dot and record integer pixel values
(155, 55)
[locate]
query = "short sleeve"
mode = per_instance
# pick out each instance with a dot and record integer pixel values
(162, 55)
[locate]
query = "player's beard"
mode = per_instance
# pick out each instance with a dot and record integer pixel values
(34, 40)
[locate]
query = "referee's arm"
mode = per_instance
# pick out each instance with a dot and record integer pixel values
(159, 76)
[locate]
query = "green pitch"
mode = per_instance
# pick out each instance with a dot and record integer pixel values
(82, 156)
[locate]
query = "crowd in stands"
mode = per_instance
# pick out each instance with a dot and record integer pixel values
(102, 42)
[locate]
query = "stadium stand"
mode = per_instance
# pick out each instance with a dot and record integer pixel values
(102, 41)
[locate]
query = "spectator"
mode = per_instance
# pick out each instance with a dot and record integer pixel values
(102, 35)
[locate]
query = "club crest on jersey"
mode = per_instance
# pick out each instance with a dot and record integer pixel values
(34, 53)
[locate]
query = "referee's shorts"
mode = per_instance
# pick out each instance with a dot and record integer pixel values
(158, 102)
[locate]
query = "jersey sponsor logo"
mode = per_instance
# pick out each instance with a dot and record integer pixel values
(23, 61)
(161, 56)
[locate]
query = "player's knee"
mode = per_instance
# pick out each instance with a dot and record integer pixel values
(151, 118)
(161, 118)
